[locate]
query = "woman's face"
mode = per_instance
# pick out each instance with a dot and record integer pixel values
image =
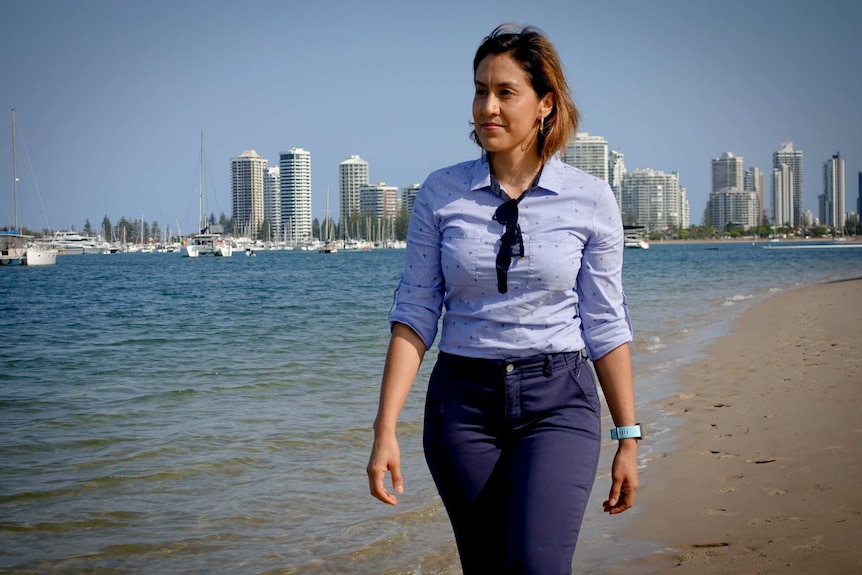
(506, 108)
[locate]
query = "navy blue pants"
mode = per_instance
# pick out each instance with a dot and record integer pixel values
(513, 448)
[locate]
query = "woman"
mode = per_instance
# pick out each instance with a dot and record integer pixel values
(525, 252)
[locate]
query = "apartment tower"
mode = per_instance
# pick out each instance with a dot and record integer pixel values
(833, 212)
(352, 175)
(782, 196)
(246, 185)
(732, 206)
(272, 202)
(408, 196)
(378, 201)
(295, 183)
(616, 171)
(753, 182)
(727, 172)
(787, 156)
(589, 153)
(654, 200)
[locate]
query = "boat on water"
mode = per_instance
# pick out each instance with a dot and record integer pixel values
(328, 248)
(15, 247)
(68, 242)
(209, 240)
(635, 238)
(633, 241)
(206, 243)
(39, 256)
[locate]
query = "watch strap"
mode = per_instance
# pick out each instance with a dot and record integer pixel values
(627, 432)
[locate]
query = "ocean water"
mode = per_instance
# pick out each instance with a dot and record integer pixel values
(163, 414)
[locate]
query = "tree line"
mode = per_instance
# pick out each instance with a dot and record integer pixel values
(139, 231)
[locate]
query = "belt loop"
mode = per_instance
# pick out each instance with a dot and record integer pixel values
(548, 367)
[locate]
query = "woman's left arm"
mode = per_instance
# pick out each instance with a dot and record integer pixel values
(614, 371)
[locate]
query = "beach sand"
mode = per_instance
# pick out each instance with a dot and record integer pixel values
(763, 473)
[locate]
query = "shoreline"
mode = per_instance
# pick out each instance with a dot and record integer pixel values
(758, 476)
(751, 239)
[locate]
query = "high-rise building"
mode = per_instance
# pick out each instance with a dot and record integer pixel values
(272, 202)
(616, 171)
(753, 182)
(732, 206)
(727, 172)
(859, 197)
(378, 201)
(247, 193)
(832, 208)
(654, 200)
(352, 175)
(793, 160)
(295, 176)
(408, 196)
(589, 153)
(782, 196)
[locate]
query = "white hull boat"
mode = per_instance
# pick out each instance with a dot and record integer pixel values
(37, 256)
(15, 247)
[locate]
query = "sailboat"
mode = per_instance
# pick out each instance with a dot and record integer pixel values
(16, 247)
(328, 246)
(206, 241)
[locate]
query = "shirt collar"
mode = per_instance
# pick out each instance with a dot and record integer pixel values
(550, 179)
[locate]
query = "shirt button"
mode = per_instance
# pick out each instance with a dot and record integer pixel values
(510, 368)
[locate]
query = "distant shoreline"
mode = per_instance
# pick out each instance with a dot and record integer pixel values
(751, 240)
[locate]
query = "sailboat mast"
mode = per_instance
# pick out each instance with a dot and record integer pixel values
(201, 225)
(14, 173)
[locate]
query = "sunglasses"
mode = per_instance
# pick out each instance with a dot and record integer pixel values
(511, 242)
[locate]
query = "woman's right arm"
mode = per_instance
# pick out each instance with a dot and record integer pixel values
(414, 317)
(406, 350)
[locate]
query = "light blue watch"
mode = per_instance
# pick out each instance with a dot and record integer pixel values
(627, 432)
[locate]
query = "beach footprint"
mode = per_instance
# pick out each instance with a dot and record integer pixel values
(720, 511)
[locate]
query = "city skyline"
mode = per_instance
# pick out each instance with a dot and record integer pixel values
(111, 96)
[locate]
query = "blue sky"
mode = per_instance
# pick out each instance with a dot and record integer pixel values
(111, 95)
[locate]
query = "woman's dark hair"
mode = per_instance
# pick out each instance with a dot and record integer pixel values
(536, 55)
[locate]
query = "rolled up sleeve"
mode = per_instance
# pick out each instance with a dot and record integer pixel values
(418, 299)
(601, 300)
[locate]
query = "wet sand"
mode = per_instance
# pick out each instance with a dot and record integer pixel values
(763, 473)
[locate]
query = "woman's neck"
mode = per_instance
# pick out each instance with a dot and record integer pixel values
(515, 175)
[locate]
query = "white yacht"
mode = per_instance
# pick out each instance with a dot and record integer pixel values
(36, 255)
(635, 238)
(210, 239)
(72, 243)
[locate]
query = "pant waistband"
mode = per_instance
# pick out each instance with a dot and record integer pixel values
(546, 361)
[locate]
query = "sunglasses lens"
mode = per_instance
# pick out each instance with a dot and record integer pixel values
(507, 213)
(511, 242)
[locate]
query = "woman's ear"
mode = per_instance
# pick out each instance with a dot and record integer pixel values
(546, 105)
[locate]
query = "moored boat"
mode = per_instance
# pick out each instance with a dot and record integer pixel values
(634, 241)
(15, 247)
(68, 242)
(36, 255)
(635, 237)
(209, 240)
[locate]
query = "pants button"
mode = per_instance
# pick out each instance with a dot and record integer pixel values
(510, 368)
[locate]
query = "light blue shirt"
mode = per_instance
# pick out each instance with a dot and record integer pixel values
(564, 295)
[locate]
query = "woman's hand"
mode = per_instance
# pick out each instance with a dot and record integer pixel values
(385, 456)
(624, 477)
